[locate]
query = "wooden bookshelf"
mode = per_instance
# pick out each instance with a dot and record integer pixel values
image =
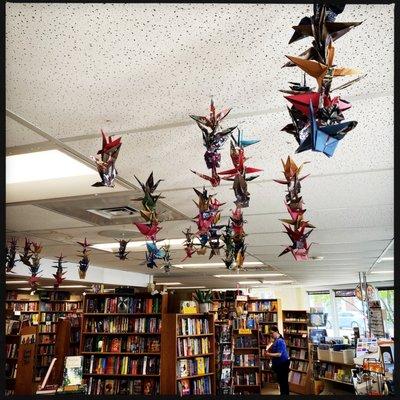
(121, 343)
(187, 342)
(12, 338)
(296, 336)
(246, 368)
(224, 357)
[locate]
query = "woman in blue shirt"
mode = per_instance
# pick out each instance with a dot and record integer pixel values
(280, 359)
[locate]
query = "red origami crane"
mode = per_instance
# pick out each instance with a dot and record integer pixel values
(148, 230)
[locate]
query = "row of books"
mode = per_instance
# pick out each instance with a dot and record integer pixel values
(297, 342)
(192, 367)
(335, 372)
(199, 386)
(246, 360)
(302, 353)
(98, 386)
(133, 344)
(290, 330)
(44, 361)
(49, 317)
(299, 365)
(123, 325)
(60, 306)
(297, 378)
(246, 341)
(193, 346)
(247, 378)
(295, 317)
(10, 369)
(124, 305)
(28, 306)
(265, 365)
(51, 328)
(54, 295)
(43, 350)
(194, 326)
(11, 350)
(125, 365)
(45, 339)
(264, 317)
(262, 305)
(12, 327)
(223, 336)
(148, 386)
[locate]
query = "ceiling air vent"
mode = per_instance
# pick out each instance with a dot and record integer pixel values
(114, 212)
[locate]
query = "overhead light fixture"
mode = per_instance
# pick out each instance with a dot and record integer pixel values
(223, 289)
(15, 282)
(385, 259)
(236, 276)
(248, 282)
(275, 282)
(24, 288)
(382, 272)
(216, 265)
(140, 245)
(186, 287)
(67, 286)
(167, 283)
(44, 165)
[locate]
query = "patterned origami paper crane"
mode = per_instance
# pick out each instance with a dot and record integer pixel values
(227, 238)
(59, 275)
(84, 261)
(167, 258)
(26, 256)
(122, 254)
(36, 249)
(214, 138)
(294, 204)
(189, 246)
(11, 252)
(325, 138)
(105, 160)
(153, 253)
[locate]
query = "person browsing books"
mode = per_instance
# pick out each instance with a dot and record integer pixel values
(280, 359)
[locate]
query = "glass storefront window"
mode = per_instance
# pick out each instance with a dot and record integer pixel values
(387, 301)
(323, 300)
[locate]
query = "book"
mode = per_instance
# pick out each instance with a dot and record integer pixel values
(183, 368)
(109, 386)
(123, 305)
(73, 371)
(200, 366)
(115, 345)
(137, 386)
(185, 387)
(149, 387)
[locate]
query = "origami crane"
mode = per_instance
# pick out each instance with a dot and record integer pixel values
(167, 258)
(122, 253)
(36, 249)
(26, 256)
(148, 230)
(229, 246)
(105, 160)
(299, 247)
(189, 246)
(153, 253)
(213, 139)
(84, 262)
(59, 275)
(214, 240)
(325, 138)
(11, 252)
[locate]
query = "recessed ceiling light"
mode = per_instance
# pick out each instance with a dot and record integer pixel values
(140, 245)
(44, 165)
(236, 276)
(248, 282)
(215, 265)
(186, 287)
(167, 283)
(385, 259)
(382, 272)
(66, 286)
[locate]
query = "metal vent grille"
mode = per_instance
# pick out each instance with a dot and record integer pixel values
(114, 212)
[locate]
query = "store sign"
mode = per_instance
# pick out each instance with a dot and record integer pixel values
(345, 293)
(244, 331)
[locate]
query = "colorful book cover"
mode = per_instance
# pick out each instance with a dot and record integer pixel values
(73, 370)
(183, 368)
(115, 345)
(200, 366)
(148, 387)
(109, 386)
(185, 385)
(137, 386)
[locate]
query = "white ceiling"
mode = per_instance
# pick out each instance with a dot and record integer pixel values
(140, 69)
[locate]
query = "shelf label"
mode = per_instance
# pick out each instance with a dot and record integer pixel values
(17, 312)
(244, 331)
(241, 298)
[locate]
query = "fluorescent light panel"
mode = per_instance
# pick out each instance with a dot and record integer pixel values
(275, 282)
(186, 287)
(382, 272)
(212, 265)
(139, 245)
(236, 276)
(168, 283)
(248, 282)
(385, 259)
(44, 165)
(15, 282)
(67, 286)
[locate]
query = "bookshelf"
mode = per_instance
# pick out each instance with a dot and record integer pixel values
(246, 368)
(12, 337)
(121, 343)
(296, 336)
(188, 348)
(224, 357)
(54, 305)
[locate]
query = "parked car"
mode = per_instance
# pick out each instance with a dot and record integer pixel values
(348, 320)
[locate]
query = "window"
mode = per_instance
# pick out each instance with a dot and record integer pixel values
(386, 295)
(350, 313)
(323, 300)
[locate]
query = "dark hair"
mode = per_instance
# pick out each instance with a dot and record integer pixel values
(274, 328)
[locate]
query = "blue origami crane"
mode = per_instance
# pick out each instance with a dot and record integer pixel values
(241, 142)
(324, 138)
